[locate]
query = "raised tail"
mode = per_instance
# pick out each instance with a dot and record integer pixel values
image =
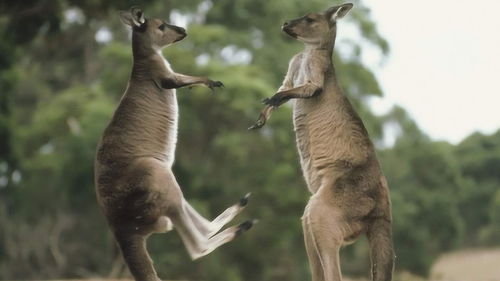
(381, 249)
(137, 258)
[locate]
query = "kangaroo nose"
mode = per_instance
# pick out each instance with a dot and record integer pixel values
(179, 30)
(285, 24)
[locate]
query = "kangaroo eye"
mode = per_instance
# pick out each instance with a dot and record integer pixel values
(162, 26)
(309, 20)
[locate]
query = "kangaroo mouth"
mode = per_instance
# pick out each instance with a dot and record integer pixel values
(182, 36)
(289, 31)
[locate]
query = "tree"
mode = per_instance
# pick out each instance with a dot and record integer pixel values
(478, 156)
(59, 87)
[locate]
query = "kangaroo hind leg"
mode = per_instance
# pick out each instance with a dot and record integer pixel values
(312, 251)
(196, 231)
(324, 237)
(199, 244)
(210, 228)
(133, 247)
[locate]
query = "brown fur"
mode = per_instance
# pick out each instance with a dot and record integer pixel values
(135, 186)
(350, 195)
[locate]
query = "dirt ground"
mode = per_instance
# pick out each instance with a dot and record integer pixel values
(469, 265)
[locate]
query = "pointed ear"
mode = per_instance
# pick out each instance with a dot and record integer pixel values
(126, 18)
(133, 18)
(337, 12)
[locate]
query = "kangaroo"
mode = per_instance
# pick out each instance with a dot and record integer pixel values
(135, 186)
(350, 195)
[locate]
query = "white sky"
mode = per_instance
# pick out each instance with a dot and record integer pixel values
(444, 65)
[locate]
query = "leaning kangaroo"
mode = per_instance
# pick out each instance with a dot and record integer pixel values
(350, 193)
(135, 186)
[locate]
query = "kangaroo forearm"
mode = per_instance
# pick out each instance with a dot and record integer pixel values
(305, 91)
(181, 80)
(308, 90)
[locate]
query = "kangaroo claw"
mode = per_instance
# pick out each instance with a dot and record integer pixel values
(245, 226)
(264, 115)
(244, 199)
(259, 124)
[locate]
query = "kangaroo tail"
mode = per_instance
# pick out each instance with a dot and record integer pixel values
(137, 258)
(381, 249)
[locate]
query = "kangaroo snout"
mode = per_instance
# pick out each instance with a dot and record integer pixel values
(180, 31)
(287, 28)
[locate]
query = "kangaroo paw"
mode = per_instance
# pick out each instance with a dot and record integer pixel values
(259, 124)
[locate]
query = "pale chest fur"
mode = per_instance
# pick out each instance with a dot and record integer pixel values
(171, 130)
(173, 111)
(302, 72)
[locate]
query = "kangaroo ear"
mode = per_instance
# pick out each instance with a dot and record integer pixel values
(137, 15)
(337, 12)
(133, 18)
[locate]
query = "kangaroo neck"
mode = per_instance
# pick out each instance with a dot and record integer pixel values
(326, 43)
(324, 56)
(148, 62)
(150, 66)
(320, 48)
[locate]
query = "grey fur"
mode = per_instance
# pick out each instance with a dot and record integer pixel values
(350, 195)
(135, 186)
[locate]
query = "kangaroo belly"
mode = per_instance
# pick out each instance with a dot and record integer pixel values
(301, 122)
(328, 143)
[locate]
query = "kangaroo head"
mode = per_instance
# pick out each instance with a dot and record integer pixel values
(151, 34)
(316, 28)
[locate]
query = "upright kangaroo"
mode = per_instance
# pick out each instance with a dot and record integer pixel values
(135, 186)
(350, 195)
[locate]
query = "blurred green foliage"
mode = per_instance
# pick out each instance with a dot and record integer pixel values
(59, 87)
